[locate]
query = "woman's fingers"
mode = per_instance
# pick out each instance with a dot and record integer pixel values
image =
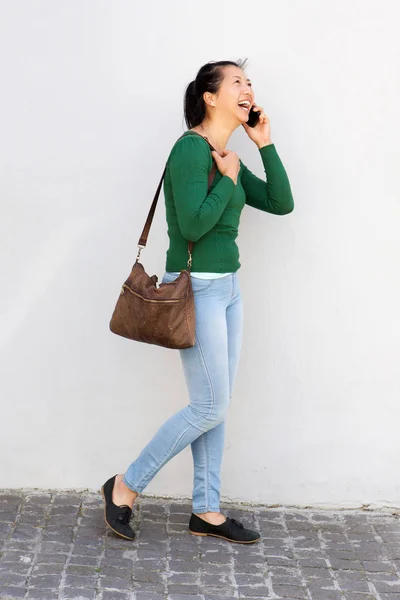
(263, 117)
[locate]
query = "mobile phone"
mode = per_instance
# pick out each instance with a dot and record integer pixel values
(253, 117)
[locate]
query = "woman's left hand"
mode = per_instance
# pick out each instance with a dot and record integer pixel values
(261, 133)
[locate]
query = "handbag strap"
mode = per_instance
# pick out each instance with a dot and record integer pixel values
(145, 233)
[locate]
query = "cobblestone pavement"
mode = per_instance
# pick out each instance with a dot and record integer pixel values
(56, 546)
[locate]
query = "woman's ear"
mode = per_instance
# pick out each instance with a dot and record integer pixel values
(208, 99)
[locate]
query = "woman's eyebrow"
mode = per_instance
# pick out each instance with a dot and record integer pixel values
(239, 77)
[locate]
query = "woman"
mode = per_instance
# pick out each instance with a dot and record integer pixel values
(216, 103)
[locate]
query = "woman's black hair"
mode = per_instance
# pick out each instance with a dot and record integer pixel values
(208, 79)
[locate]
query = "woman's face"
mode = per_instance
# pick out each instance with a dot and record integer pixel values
(235, 88)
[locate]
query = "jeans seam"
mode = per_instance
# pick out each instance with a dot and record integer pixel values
(207, 470)
(162, 462)
(208, 376)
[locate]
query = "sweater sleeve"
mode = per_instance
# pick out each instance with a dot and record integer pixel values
(274, 195)
(189, 166)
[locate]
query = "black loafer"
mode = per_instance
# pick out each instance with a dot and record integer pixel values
(231, 530)
(116, 517)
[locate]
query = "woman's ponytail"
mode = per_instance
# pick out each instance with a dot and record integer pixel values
(194, 109)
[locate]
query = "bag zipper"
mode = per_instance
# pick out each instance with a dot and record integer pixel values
(142, 297)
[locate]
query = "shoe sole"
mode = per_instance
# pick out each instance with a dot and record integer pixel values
(105, 518)
(223, 537)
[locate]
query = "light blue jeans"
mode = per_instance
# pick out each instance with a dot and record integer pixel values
(210, 368)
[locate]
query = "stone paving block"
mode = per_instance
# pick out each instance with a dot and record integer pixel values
(145, 575)
(353, 585)
(377, 566)
(326, 595)
(254, 592)
(213, 569)
(8, 523)
(393, 550)
(149, 564)
(320, 584)
(45, 581)
(14, 567)
(10, 501)
(353, 565)
(67, 499)
(7, 556)
(145, 596)
(42, 594)
(56, 535)
(128, 553)
(121, 563)
(80, 550)
(112, 542)
(46, 558)
(83, 570)
(185, 589)
(182, 597)
(115, 572)
(64, 511)
(81, 581)
(47, 569)
(183, 578)
(216, 579)
(181, 566)
(149, 587)
(389, 585)
(178, 554)
(50, 547)
(214, 556)
(287, 580)
(180, 508)
(182, 518)
(26, 533)
(144, 552)
(371, 551)
(357, 596)
(12, 593)
(249, 559)
(244, 579)
(315, 572)
(279, 560)
(212, 597)
(12, 579)
(90, 561)
(116, 595)
(221, 592)
(71, 593)
(116, 583)
(290, 591)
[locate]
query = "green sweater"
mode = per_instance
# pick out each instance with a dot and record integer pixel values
(212, 221)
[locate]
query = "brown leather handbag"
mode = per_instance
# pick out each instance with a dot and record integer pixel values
(163, 315)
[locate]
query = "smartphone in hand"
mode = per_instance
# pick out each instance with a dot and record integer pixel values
(253, 117)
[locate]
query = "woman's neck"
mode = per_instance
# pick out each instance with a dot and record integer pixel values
(217, 135)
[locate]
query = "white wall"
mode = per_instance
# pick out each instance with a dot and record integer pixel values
(91, 103)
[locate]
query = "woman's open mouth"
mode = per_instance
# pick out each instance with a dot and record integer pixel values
(245, 105)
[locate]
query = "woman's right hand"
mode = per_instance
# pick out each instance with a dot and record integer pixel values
(228, 163)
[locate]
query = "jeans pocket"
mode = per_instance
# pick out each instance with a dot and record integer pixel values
(201, 285)
(198, 284)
